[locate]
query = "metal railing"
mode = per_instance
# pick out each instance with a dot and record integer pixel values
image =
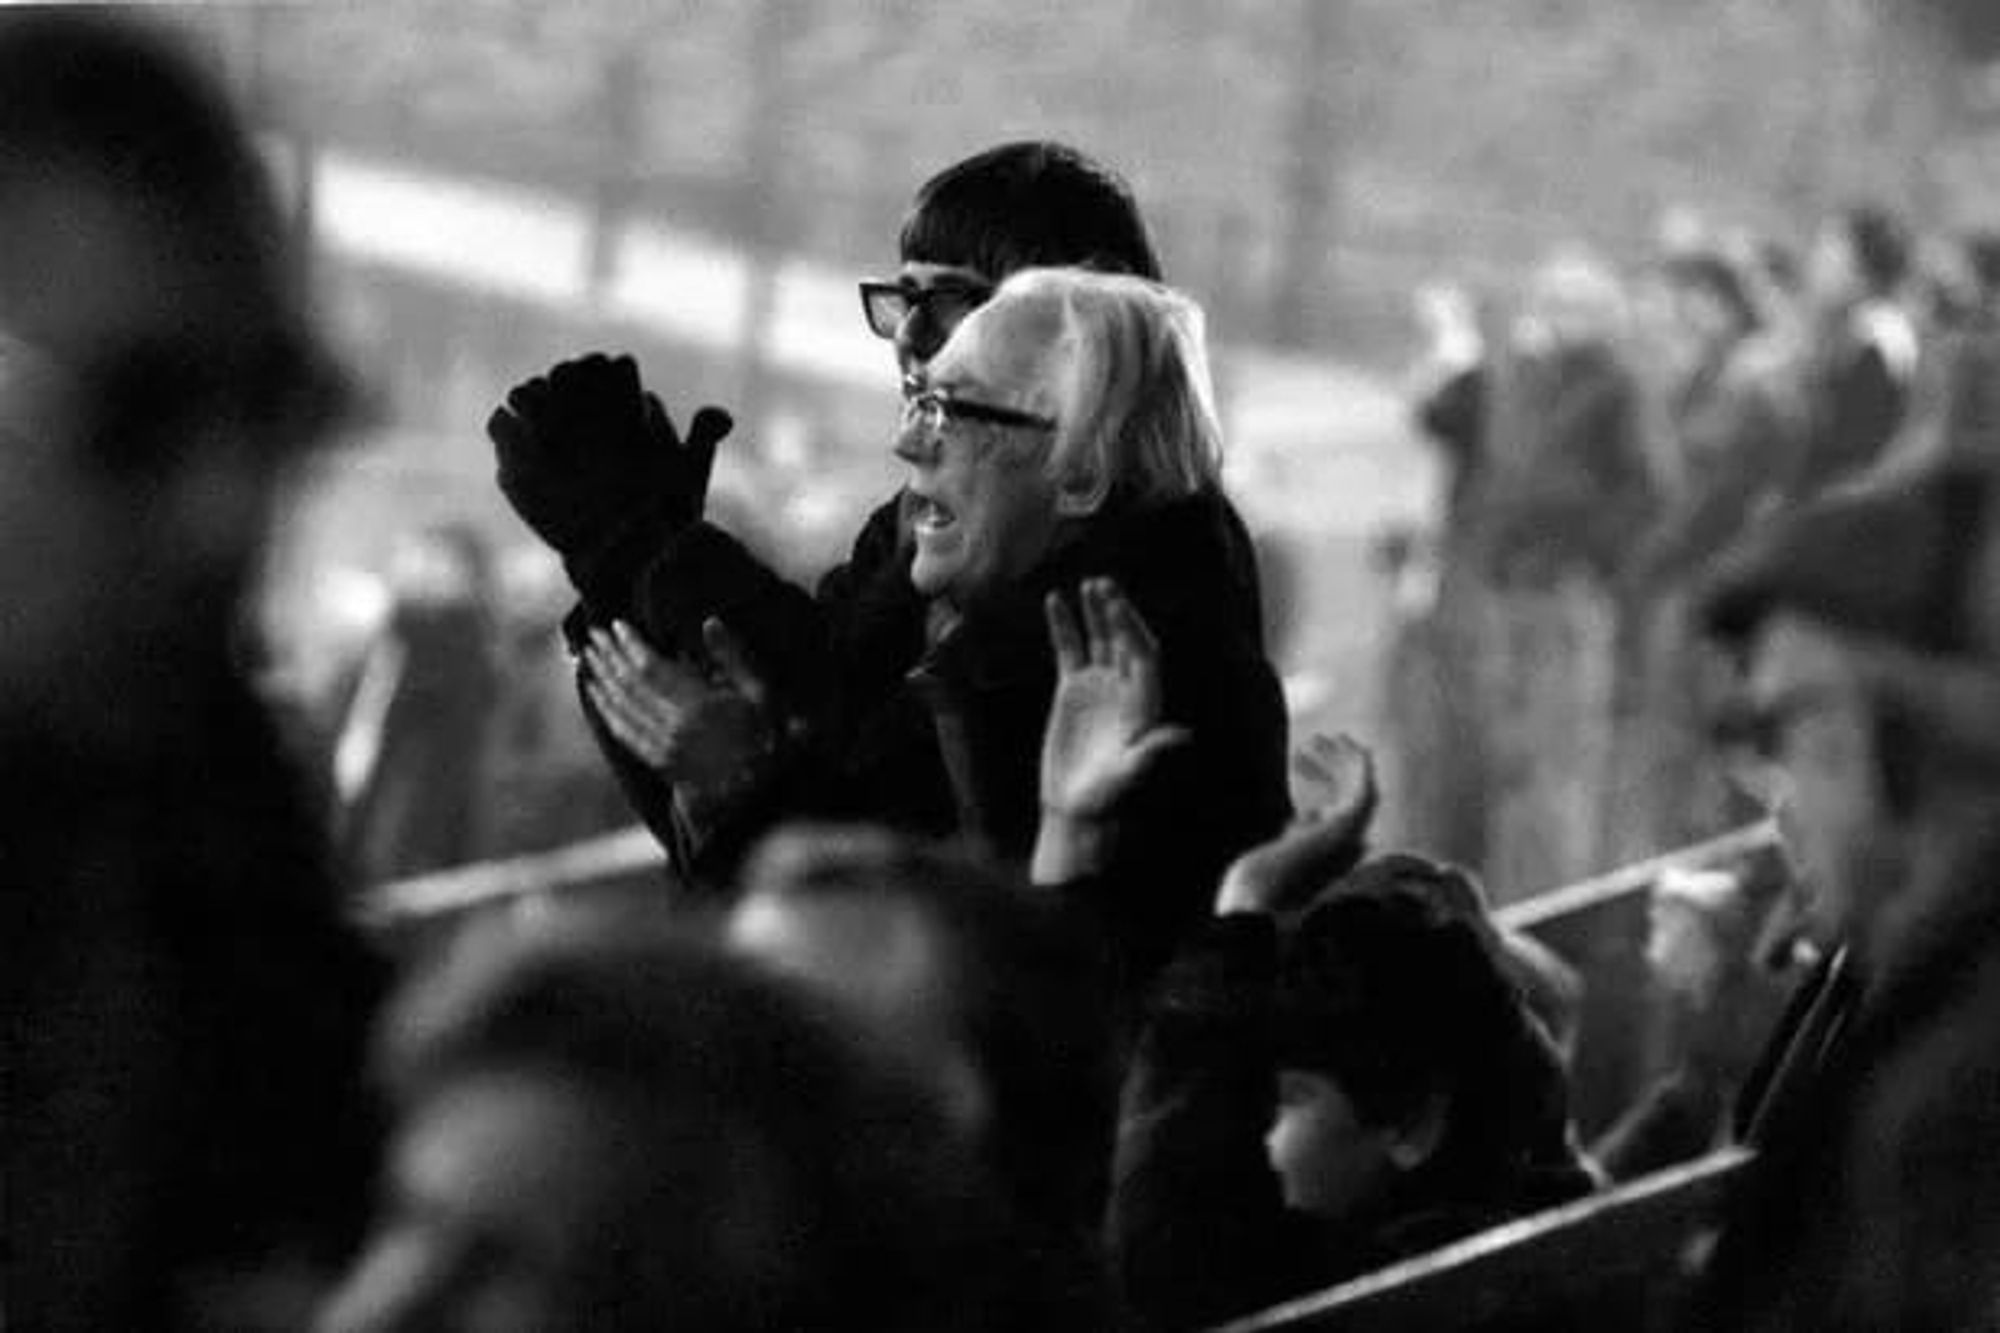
(613, 856)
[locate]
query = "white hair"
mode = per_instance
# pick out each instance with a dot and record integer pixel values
(1125, 374)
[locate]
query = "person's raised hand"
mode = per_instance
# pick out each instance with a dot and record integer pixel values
(1103, 729)
(1338, 774)
(708, 734)
(1323, 840)
(583, 451)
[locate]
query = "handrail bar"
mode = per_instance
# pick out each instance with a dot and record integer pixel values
(484, 883)
(634, 849)
(1528, 913)
(1699, 1184)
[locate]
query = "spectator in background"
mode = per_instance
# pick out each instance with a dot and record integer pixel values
(1736, 445)
(429, 689)
(1065, 431)
(188, 1143)
(818, 707)
(1864, 359)
(1982, 251)
(1958, 412)
(1572, 479)
(607, 1128)
(1451, 395)
(1871, 639)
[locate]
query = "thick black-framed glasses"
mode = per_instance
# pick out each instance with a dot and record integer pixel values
(933, 409)
(886, 305)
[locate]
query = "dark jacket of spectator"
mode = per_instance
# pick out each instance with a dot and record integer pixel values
(1454, 415)
(940, 733)
(189, 1015)
(1570, 483)
(1739, 445)
(1199, 1229)
(1859, 391)
(1873, 1206)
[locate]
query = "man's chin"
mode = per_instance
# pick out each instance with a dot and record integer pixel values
(927, 579)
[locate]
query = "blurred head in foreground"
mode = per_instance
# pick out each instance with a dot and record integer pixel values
(157, 370)
(607, 1127)
(984, 987)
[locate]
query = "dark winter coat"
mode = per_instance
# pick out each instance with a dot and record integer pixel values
(188, 1018)
(1568, 484)
(1198, 1228)
(1876, 1201)
(1739, 445)
(942, 735)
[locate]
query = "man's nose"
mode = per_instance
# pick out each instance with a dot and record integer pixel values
(918, 336)
(913, 443)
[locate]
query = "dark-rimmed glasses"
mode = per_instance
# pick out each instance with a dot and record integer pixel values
(932, 410)
(886, 305)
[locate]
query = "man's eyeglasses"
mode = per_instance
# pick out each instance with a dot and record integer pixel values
(887, 304)
(933, 410)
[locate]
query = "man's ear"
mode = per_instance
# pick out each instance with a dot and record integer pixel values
(1421, 1134)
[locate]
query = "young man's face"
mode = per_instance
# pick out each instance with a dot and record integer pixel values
(1822, 775)
(947, 293)
(1329, 1163)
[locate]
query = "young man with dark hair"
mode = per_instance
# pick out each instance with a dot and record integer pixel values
(187, 1012)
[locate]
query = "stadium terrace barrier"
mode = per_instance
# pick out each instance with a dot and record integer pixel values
(1618, 1260)
(634, 851)
(1598, 925)
(1532, 914)
(424, 899)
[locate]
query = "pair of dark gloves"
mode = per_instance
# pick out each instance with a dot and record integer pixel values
(592, 462)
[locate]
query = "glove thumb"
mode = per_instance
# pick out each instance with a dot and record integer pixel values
(694, 459)
(707, 430)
